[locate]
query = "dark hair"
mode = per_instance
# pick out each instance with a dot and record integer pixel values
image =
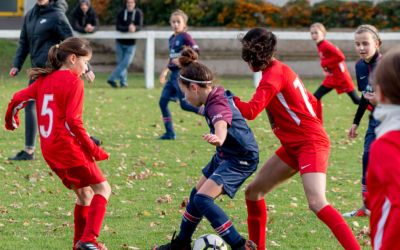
(59, 53)
(193, 70)
(258, 48)
(387, 75)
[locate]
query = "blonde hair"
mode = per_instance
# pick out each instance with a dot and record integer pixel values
(370, 29)
(181, 13)
(320, 27)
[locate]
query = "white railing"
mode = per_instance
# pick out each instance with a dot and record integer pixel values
(151, 35)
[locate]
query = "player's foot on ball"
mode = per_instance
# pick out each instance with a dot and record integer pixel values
(167, 136)
(248, 245)
(175, 244)
(112, 83)
(361, 212)
(22, 156)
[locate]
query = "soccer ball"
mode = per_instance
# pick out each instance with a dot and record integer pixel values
(209, 241)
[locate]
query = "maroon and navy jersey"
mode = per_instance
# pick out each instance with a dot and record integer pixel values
(240, 142)
(383, 184)
(176, 43)
(290, 107)
(59, 104)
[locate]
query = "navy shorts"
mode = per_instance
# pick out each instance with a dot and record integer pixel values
(229, 173)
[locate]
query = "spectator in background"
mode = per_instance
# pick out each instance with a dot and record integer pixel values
(130, 19)
(83, 18)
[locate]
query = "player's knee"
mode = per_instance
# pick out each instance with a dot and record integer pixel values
(202, 201)
(252, 192)
(84, 196)
(316, 204)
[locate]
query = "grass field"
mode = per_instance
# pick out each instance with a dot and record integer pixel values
(151, 178)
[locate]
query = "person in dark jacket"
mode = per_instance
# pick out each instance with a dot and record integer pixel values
(130, 19)
(44, 26)
(83, 17)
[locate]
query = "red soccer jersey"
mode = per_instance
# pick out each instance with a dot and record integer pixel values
(383, 184)
(59, 104)
(290, 107)
(335, 68)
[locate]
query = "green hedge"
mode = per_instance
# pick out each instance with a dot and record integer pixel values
(249, 13)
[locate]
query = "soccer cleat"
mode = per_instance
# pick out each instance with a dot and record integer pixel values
(22, 156)
(175, 244)
(89, 246)
(112, 83)
(248, 245)
(167, 136)
(361, 212)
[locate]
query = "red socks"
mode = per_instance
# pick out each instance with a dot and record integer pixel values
(339, 227)
(257, 221)
(95, 217)
(80, 216)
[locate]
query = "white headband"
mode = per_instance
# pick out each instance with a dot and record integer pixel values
(195, 81)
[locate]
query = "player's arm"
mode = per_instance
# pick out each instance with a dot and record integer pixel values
(22, 51)
(18, 102)
(260, 100)
(74, 110)
(218, 138)
(335, 56)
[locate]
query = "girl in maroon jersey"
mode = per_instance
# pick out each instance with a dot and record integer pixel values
(66, 146)
(304, 146)
(337, 75)
(383, 174)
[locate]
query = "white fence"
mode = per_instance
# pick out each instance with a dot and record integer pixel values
(151, 35)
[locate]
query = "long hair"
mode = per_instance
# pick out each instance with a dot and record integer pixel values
(59, 53)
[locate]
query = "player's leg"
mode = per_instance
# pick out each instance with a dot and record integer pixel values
(354, 97)
(167, 92)
(204, 202)
(97, 210)
(321, 91)
(314, 188)
(83, 198)
(274, 172)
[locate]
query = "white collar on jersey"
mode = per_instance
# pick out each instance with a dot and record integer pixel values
(389, 116)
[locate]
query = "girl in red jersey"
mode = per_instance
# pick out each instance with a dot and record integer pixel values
(337, 75)
(66, 146)
(304, 143)
(383, 174)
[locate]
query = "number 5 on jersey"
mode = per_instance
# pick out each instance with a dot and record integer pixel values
(46, 110)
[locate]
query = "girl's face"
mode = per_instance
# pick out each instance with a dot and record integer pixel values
(78, 65)
(316, 34)
(191, 93)
(177, 23)
(366, 45)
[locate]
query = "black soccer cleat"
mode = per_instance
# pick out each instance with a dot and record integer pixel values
(175, 244)
(96, 141)
(167, 136)
(22, 156)
(89, 246)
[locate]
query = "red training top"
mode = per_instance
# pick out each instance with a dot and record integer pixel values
(59, 104)
(383, 184)
(337, 75)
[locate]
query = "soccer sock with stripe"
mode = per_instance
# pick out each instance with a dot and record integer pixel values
(256, 222)
(80, 216)
(219, 220)
(339, 227)
(97, 210)
(190, 219)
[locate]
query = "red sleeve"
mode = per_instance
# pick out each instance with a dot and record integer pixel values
(18, 102)
(260, 100)
(333, 55)
(73, 118)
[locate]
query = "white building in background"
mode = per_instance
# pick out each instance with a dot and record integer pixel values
(282, 2)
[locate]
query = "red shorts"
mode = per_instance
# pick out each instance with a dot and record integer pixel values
(340, 84)
(79, 177)
(306, 158)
